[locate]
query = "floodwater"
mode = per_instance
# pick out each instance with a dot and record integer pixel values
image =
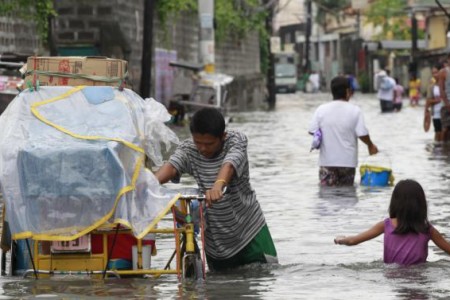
(304, 219)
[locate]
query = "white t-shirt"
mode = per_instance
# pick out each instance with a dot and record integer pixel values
(437, 107)
(314, 79)
(341, 124)
(387, 95)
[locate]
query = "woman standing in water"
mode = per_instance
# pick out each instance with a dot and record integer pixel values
(406, 231)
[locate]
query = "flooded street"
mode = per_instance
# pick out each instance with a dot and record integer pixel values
(304, 218)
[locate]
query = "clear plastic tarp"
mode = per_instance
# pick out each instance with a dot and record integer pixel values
(73, 159)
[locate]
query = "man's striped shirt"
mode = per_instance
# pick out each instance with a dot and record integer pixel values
(233, 221)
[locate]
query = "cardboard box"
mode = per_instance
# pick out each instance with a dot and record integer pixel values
(75, 70)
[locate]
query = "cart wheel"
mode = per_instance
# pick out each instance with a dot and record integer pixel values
(192, 267)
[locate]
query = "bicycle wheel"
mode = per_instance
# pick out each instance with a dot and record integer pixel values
(192, 267)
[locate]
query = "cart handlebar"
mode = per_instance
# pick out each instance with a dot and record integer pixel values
(200, 196)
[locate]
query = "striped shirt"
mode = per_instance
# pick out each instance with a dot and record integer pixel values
(233, 221)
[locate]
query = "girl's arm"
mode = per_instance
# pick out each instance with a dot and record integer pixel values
(439, 240)
(373, 232)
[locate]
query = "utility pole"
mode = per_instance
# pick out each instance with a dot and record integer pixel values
(207, 46)
(413, 62)
(271, 95)
(307, 65)
(147, 49)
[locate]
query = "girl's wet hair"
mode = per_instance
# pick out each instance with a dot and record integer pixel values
(208, 121)
(409, 206)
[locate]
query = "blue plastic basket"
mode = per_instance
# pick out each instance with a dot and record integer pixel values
(375, 176)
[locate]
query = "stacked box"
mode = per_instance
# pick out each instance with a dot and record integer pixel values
(75, 70)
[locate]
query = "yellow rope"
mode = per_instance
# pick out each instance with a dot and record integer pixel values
(126, 189)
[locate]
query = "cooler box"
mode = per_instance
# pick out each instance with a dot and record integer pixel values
(376, 176)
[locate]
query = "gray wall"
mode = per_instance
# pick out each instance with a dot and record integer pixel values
(115, 29)
(18, 36)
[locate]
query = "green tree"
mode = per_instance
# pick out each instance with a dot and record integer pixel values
(333, 7)
(232, 19)
(392, 16)
(37, 11)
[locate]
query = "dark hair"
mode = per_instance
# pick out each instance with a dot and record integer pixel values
(438, 65)
(396, 80)
(339, 87)
(409, 206)
(208, 121)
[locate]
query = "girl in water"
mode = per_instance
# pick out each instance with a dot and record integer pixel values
(406, 231)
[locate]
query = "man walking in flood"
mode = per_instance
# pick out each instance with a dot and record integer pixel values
(385, 86)
(443, 82)
(341, 124)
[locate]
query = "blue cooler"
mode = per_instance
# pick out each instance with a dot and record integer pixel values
(376, 176)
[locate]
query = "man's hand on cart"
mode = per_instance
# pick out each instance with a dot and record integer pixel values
(216, 192)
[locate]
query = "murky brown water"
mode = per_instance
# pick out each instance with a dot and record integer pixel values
(304, 219)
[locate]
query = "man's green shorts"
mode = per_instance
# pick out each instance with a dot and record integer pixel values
(260, 249)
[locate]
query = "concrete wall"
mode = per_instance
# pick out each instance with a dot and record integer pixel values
(114, 28)
(18, 36)
(240, 59)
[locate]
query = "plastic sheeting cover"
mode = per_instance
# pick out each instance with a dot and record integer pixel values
(72, 159)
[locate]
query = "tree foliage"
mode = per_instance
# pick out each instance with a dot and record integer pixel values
(392, 16)
(37, 11)
(232, 18)
(325, 7)
(166, 8)
(238, 18)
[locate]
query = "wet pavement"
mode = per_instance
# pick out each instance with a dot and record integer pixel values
(304, 218)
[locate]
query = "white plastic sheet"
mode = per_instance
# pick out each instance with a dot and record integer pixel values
(72, 159)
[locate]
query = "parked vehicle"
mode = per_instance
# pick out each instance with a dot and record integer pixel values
(209, 90)
(285, 72)
(10, 78)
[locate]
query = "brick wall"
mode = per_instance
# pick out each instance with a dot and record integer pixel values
(115, 29)
(240, 59)
(18, 36)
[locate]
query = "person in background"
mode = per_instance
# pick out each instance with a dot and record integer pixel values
(236, 230)
(341, 124)
(444, 89)
(385, 86)
(406, 231)
(314, 80)
(414, 90)
(434, 104)
(353, 82)
(398, 95)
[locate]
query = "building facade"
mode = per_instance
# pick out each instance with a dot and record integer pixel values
(114, 28)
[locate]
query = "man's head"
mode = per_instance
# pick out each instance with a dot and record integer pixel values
(340, 88)
(208, 131)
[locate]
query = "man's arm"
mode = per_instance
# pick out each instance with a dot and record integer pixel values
(166, 173)
(371, 146)
(442, 77)
(224, 176)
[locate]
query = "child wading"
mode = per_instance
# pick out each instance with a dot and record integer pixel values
(406, 231)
